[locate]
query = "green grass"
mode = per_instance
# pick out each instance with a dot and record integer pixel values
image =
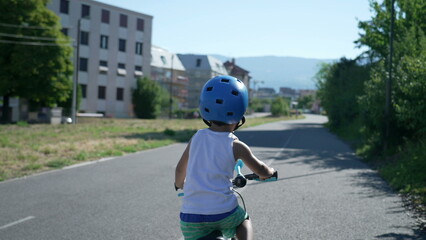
(407, 172)
(30, 148)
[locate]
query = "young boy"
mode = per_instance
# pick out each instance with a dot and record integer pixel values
(206, 167)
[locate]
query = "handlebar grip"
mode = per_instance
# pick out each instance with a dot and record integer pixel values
(254, 176)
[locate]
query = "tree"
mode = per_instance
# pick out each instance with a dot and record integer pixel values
(410, 18)
(148, 98)
(407, 118)
(305, 102)
(35, 57)
(339, 86)
(280, 107)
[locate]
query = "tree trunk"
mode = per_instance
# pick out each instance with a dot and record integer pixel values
(5, 109)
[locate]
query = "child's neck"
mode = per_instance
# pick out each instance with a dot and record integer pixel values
(227, 128)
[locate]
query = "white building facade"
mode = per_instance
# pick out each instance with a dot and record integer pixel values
(199, 69)
(114, 50)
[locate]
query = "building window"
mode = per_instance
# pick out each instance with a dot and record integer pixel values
(139, 47)
(123, 20)
(83, 88)
(105, 16)
(83, 64)
(139, 24)
(104, 42)
(84, 38)
(120, 94)
(121, 69)
(198, 64)
(85, 11)
(163, 59)
(103, 63)
(65, 31)
(101, 92)
(138, 71)
(64, 6)
(122, 45)
(103, 66)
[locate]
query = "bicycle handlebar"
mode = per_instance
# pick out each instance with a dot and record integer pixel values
(241, 180)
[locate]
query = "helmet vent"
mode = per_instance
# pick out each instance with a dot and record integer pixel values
(209, 89)
(219, 101)
(234, 93)
(206, 109)
(229, 114)
(225, 80)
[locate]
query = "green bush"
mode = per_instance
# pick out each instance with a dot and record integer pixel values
(280, 107)
(148, 98)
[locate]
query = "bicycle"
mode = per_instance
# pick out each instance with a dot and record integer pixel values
(239, 181)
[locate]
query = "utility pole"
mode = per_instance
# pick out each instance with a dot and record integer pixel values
(75, 82)
(171, 89)
(388, 107)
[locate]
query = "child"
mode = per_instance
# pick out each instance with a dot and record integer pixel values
(206, 167)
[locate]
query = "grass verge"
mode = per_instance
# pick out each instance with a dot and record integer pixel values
(27, 149)
(405, 170)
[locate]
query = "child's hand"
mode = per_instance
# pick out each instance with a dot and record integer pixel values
(263, 178)
(178, 187)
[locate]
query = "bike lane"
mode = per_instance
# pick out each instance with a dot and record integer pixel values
(324, 191)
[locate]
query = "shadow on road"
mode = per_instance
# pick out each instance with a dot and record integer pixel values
(316, 147)
(418, 235)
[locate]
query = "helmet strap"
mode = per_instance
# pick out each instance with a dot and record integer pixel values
(207, 122)
(243, 120)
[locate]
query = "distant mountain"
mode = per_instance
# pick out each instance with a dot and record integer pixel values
(276, 72)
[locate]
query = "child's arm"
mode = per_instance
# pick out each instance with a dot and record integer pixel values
(180, 172)
(243, 152)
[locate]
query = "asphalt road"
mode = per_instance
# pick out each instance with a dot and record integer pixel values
(324, 192)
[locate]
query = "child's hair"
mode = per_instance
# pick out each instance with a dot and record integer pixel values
(219, 123)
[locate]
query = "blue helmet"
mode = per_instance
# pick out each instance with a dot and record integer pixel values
(224, 99)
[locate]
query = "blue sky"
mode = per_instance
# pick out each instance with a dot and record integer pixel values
(323, 29)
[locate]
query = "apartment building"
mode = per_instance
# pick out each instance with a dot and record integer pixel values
(169, 72)
(199, 69)
(114, 50)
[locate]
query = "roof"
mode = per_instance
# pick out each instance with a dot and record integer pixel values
(235, 69)
(202, 62)
(162, 58)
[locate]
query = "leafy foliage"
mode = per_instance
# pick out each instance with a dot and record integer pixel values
(280, 107)
(339, 86)
(306, 102)
(258, 104)
(148, 98)
(35, 57)
(354, 95)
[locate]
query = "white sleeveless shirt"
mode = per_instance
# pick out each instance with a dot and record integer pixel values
(207, 188)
